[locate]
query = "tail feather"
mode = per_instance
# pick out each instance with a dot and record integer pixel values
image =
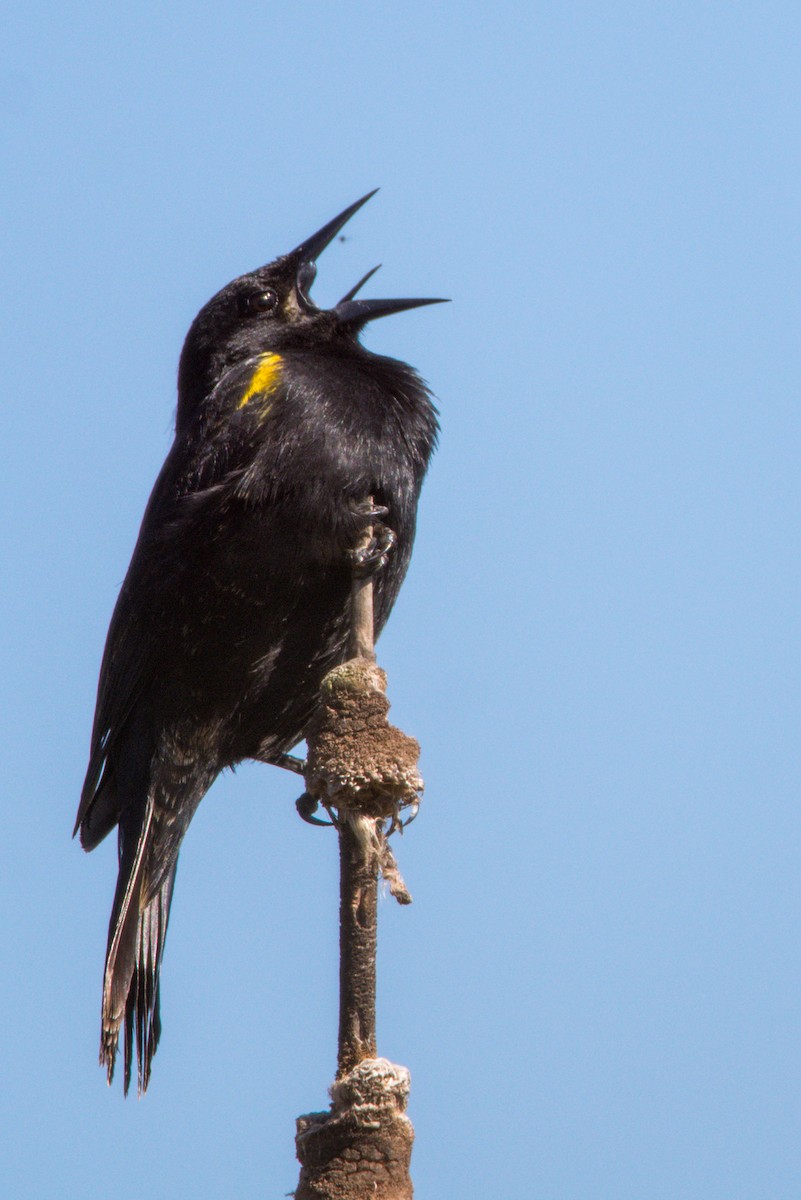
(153, 795)
(131, 994)
(142, 1010)
(137, 934)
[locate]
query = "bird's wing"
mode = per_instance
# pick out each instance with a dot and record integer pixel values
(130, 660)
(193, 479)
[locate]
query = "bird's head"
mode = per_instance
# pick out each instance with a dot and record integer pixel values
(270, 309)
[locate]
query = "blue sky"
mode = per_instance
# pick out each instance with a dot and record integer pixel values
(597, 988)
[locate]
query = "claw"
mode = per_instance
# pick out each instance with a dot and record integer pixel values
(396, 825)
(415, 808)
(307, 805)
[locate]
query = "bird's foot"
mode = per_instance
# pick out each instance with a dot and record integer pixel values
(307, 805)
(369, 559)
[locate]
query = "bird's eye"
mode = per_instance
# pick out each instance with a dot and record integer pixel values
(258, 302)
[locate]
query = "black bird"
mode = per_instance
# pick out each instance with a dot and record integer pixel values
(236, 602)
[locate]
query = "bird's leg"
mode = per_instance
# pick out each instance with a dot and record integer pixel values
(305, 804)
(366, 512)
(289, 762)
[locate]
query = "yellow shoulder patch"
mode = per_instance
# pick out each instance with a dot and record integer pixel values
(265, 379)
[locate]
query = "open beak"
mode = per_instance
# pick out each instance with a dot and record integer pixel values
(308, 251)
(357, 287)
(349, 312)
(358, 312)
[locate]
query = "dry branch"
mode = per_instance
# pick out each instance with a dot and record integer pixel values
(364, 771)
